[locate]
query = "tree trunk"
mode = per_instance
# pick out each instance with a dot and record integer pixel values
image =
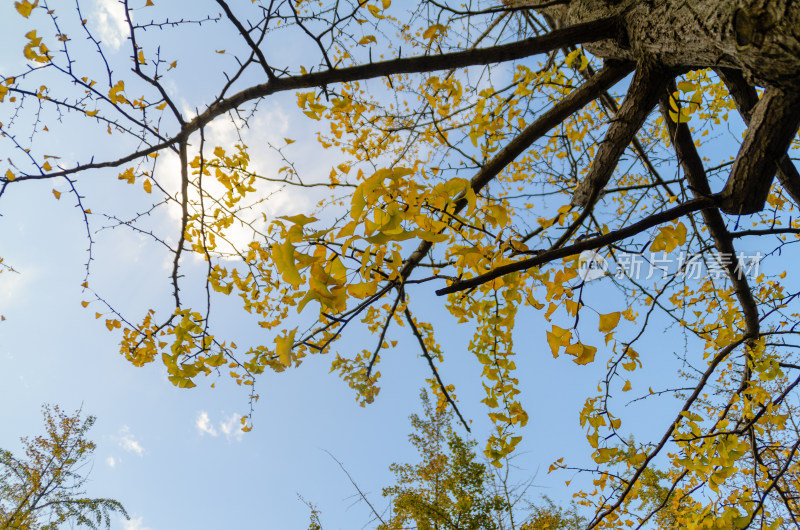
(760, 38)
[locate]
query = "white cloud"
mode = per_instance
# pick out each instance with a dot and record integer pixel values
(14, 283)
(112, 463)
(128, 442)
(134, 523)
(111, 22)
(232, 428)
(203, 424)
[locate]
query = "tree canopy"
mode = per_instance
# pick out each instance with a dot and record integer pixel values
(42, 490)
(450, 488)
(605, 168)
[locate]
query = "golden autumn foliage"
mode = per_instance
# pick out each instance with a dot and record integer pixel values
(450, 487)
(42, 489)
(465, 159)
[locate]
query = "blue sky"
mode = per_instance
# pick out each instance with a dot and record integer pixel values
(176, 458)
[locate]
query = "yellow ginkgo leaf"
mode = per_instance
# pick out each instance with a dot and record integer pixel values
(115, 94)
(362, 290)
(680, 233)
(375, 10)
(583, 354)
(24, 8)
(431, 32)
(57, 194)
(573, 56)
(299, 219)
(609, 322)
(626, 386)
(283, 348)
(148, 187)
(127, 176)
(557, 338)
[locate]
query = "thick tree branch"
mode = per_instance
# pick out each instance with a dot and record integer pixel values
(580, 33)
(547, 256)
(607, 101)
(588, 32)
(746, 97)
(648, 82)
(692, 166)
(773, 124)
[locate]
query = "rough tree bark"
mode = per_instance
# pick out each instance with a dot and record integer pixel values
(759, 38)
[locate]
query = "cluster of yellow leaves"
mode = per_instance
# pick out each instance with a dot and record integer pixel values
(682, 113)
(127, 175)
(494, 312)
(115, 94)
(716, 461)
(488, 123)
(140, 345)
(35, 49)
(376, 10)
(669, 238)
(576, 59)
(230, 169)
(353, 372)
(433, 31)
(4, 89)
(309, 102)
